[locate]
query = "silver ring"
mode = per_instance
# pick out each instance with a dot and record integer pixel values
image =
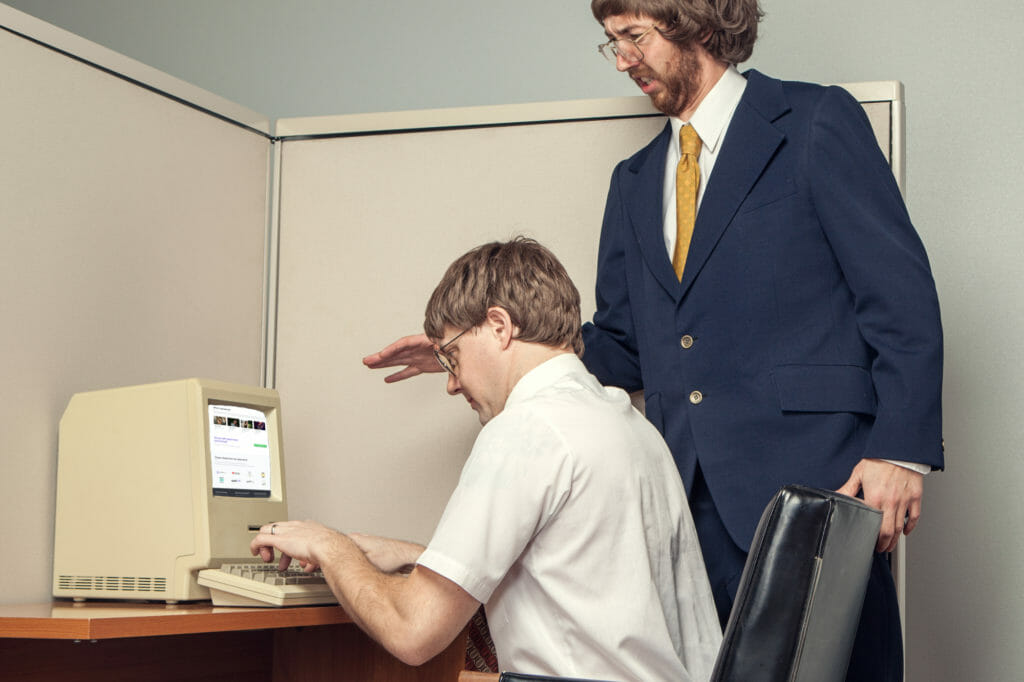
(273, 529)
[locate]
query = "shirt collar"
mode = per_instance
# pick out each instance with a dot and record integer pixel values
(714, 112)
(543, 375)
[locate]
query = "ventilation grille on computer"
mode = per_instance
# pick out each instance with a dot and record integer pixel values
(111, 583)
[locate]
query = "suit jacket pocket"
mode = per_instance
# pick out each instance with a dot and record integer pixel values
(824, 388)
(767, 193)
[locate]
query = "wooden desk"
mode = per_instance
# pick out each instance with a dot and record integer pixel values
(130, 642)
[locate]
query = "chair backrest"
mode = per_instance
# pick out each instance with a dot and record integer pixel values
(799, 601)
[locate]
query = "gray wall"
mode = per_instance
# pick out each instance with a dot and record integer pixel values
(964, 105)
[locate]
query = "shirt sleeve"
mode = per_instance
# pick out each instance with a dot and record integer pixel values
(515, 480)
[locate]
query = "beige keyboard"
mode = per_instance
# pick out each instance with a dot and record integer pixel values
(257, 584)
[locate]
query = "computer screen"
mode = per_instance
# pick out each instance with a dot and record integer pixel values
(156, 482)
(239, 451)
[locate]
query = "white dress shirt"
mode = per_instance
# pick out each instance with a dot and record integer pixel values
(571, 525)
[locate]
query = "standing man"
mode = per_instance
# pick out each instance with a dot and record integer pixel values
(568, 522)
(774, 303)
(760, 280)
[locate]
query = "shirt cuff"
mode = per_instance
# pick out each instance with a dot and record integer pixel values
(913, 466)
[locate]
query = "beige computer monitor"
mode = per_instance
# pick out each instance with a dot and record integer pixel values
(158, 481)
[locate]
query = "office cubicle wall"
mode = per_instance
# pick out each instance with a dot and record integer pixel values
(368, 224)
(372, 209)
(133, 212)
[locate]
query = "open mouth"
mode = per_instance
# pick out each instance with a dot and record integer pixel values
(645, 83)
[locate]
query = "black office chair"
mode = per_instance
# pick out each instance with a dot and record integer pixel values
(798, 605)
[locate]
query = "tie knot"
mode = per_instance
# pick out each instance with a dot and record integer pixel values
(689, 141)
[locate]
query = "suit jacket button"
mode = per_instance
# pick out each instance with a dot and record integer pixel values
(686, 341)
(696, 397)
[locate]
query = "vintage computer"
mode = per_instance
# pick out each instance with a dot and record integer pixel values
(157, 482)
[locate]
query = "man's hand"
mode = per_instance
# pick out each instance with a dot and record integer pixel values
(304, 541)
(896, 490)
(416, 352)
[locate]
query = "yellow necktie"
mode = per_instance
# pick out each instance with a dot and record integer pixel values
(687, 182)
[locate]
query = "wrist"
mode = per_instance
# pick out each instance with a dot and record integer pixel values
(331, 549)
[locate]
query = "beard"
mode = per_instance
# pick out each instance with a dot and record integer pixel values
(679, 77)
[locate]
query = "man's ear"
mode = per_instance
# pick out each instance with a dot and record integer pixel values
(500, 324)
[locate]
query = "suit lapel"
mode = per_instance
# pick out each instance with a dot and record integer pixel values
(750, 143)
(644, 205)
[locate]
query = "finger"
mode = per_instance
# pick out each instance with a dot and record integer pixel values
(885, 533)
(263, 543)
(402, 374)
(263, 551)
(890, 546)
(851, 487)
(895, 540)
(390, 353)
(896, 517)
(284, 562)
(377, 360)
(899, 523)
(256, 543)
(913, 516)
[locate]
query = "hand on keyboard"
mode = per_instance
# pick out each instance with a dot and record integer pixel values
(258, 584)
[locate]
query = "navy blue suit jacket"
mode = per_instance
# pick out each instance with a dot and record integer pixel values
(816, 338)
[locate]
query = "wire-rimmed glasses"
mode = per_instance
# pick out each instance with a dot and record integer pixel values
(628, 48)
(446, 361)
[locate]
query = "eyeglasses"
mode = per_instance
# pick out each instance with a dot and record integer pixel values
(628, 48)
(446, 361)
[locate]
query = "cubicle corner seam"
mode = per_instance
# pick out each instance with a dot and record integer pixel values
(135, 81)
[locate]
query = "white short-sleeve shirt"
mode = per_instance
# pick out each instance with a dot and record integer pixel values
(571, 524)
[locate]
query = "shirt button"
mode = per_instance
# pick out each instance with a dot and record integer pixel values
(696, 397)
(686, 341)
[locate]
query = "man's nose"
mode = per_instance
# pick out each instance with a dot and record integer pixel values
(625, 63)
(454, 388)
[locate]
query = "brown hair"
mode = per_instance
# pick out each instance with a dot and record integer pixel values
(730, 25)
(520, 276)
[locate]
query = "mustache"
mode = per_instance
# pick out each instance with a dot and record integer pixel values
(642, 71)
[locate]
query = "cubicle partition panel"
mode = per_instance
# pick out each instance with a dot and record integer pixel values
(133, 213)
(372, 211)
(141, 243)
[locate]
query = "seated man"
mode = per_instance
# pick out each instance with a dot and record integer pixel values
(569, 521)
